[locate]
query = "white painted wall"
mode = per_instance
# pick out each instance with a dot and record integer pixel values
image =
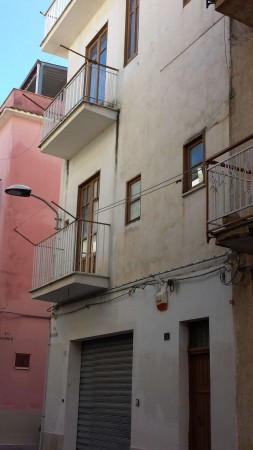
(158, 424)
(160, 109)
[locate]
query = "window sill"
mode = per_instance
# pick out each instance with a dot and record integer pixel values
(191, 191)
(127, 224)
(130, 60)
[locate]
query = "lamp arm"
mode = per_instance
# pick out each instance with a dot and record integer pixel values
(50, 206)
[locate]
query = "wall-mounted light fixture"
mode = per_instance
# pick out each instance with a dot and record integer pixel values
(19, 190)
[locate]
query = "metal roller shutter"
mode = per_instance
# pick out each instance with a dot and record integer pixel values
(104, 417)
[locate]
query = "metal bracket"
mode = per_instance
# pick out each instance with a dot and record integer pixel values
(24, 237)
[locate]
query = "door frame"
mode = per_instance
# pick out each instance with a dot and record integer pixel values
(193, 352)
(89, 64)
(90, 180)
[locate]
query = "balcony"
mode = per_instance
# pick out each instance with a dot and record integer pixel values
(230, 197)
(25, 101)
(72, 264)
(241, 10)
(84, 108)
(64, 21)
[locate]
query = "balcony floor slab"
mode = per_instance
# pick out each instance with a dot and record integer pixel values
(77, 130)
(241, 10)
(75, 286)
(69, 25)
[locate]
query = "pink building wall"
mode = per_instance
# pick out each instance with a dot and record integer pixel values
(24, 323)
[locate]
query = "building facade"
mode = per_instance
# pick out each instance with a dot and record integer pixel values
(150, 342)
(24, 323)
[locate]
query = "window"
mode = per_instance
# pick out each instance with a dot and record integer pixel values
(133, 204)
(194, 158)
(96, 81)
(199, 334)
(87, 233)
(132, 30)
(22, 361)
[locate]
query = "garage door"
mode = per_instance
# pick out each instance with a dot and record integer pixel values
(104, 418)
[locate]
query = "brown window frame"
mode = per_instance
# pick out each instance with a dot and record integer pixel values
(136, 13)
(130, 201)
(187, 170)
(24, 367)
(95, 40)
(90, 220)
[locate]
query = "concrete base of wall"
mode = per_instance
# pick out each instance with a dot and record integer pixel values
(52, 441)
(18, 447)
(20, 429)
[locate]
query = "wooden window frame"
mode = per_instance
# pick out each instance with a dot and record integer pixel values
(80, 188)
(92, 179)
(200, 138)
(130, 202)
(22, 367)
(128, 59)
(97, 37)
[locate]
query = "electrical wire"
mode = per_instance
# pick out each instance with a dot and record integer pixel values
(149, 190)
(89, 305)
(162, 184)
(130, 287)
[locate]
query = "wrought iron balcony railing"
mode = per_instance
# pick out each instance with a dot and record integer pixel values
(93, 83)
(82, 247)
(230, 187)
(54, 13)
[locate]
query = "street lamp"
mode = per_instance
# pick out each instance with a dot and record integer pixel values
(19, 190)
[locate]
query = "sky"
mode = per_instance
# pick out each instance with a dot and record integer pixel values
(21, 32)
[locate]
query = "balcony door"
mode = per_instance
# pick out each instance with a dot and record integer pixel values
(97, 51)
(87, 212)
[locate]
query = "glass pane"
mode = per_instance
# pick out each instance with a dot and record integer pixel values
(93, 52)
(137, 29)
(135, 210)
(102, 80)
(199, 334)
(85, 216)
(95, 206)
(102, 59)
(197, 176)
(93, 82)
(95, 190)
(84, 248)
(196, 154)
(103, 44)
(85, 196)
(94, 244)
(132, 5)
(135, 189)
(131, 36)
(85, 213)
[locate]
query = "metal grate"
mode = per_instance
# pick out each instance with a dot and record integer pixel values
(104, 420)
